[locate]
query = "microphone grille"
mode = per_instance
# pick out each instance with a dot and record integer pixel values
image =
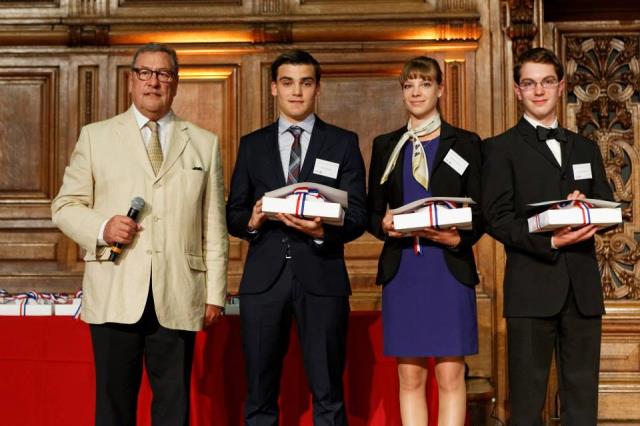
(137, 203)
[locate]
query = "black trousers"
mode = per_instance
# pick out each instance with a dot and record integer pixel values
(576, 339)
(322, 329)
(119, 351)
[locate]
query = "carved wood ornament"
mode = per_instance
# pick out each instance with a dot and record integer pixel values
(521, 29)
(603, 80)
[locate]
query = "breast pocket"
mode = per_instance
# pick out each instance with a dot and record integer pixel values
(192, 185)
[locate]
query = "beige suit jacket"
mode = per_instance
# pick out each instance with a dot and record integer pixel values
(183, 243)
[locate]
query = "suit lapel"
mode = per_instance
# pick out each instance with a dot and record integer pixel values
(447, 138)
(273, 155)
(528, 133)
(178, 141)
(318, 136)
(566, 148)
(127, 130)
(395, 178)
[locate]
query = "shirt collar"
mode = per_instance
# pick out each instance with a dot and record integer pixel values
(306, 124)
(535, 123)
(142, 120)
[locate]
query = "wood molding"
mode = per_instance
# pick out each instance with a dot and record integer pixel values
(521, 27)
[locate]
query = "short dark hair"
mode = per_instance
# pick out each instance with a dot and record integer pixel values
(538, 55)
(295, 57)
(422, 67)
(157, 47)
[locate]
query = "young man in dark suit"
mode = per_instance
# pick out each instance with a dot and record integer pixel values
(552, 290)
(295, 267)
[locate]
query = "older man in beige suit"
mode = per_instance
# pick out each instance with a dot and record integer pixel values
(170, 279)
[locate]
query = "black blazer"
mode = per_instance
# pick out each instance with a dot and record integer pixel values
(520, 170)
(444, 182)
(320, 268)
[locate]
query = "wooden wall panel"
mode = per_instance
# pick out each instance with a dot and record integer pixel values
(208, 96)
(621, 355)
(27, 132)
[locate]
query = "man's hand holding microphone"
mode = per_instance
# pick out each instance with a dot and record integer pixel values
(120, 230)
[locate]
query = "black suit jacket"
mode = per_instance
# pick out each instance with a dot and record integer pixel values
(520, 170)
(444, 182)
(320, 268)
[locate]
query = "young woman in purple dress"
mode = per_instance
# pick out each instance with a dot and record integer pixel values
(428, 298)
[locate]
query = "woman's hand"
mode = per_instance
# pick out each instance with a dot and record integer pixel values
(388, 228)
(448, 237)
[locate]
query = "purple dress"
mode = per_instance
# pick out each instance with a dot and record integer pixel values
(426, 311)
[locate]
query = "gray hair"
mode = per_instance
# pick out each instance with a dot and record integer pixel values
(157, 47)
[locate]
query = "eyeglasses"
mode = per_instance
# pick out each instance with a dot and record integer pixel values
(547, 83)
(145, 74)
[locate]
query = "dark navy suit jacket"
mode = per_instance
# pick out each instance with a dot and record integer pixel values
(319, 267)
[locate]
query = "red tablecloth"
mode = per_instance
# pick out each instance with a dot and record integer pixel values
(47, 376)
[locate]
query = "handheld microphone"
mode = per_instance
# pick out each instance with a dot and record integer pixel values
(137, 204)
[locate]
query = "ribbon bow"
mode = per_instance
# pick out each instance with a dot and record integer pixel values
(24, 299)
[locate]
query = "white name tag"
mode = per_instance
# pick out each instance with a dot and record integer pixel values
(456, 162)
(326, 168)
(582, 171)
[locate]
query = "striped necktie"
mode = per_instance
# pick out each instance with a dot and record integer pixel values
(154, 149)
(296, 154)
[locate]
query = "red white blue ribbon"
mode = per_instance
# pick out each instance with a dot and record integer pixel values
(78, 295)
(432, 212)
(584, 206)
(302, 194)
(24, 299)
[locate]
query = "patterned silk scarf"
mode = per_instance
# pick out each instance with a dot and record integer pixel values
(419, 165)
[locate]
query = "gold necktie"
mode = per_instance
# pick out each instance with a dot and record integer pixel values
(154, 149)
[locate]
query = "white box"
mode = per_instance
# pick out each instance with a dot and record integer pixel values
(9, 309)
(433, 216)
(67, 309)
(35, 310)
(433, 212)
(574, 216)
(331, 213)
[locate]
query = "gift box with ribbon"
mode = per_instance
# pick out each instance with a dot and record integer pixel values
(307, 200)
(25, 304)
(433, 212)
(574, 213)
(69, 306)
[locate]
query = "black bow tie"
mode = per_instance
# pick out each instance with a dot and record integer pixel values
(545, 134)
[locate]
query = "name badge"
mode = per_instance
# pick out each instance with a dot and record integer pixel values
(456, 162)
(326, 168)
(582, 171)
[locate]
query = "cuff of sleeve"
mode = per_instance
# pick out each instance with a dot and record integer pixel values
(101, 241)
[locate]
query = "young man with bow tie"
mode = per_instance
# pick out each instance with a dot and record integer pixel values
(552, 290)
(295, 267)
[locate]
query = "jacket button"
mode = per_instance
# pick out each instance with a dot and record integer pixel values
(149, 252)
